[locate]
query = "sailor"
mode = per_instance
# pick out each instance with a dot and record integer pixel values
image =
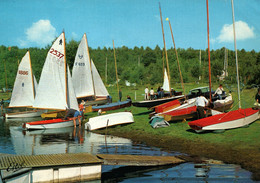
(78, 115)
(201, 103)
(219, 92)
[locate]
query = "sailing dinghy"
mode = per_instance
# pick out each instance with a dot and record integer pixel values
(23, 93)
(86, 79)
(108, 120)
(55, 90)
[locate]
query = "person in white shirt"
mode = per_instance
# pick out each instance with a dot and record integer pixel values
(146, 93)
(152, 94)
(219, 92)
(201, 103)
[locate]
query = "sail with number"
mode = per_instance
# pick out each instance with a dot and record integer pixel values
(25, 84)
(52, 92)
(86, 80)
(166, 85)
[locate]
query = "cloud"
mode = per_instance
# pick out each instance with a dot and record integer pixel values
(40, 33)
(243, 32)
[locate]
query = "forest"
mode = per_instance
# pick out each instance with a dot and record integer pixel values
(142, 65)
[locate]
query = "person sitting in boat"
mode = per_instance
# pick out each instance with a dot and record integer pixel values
(152, 94)
(78, 115)
(257, 98)
(219, 92)
(201, 103)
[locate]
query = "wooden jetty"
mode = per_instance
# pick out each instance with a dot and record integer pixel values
(70, 167)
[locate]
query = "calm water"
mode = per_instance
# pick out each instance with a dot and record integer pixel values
(14, 140)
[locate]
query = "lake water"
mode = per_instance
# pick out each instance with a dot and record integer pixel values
(14, 140)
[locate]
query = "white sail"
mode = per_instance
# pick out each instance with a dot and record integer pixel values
(166, 85)
(81, 72)
(51, 92)
(23, 91)
(100, 88)
(72, 100)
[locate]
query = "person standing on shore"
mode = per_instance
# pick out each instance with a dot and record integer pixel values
(151, 94)
(219, 92)
(146, 93)
(201, 103)
(120, 95)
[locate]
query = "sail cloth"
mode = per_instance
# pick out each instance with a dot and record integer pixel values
(85, 77)
(23, 91)
(166, 85)
(72, 100)
(51, 92)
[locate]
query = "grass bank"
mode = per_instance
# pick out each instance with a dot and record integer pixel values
(237, 146)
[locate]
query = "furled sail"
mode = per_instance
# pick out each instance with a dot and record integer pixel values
(52, 89)
(23, 91)
(166, 85)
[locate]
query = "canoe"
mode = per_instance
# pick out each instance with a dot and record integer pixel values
(152, 103)
(112, 106)
(48, 124)
(233, 119)
(25, 114)
(109, 120)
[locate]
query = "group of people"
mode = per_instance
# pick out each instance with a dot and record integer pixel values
(151, 95)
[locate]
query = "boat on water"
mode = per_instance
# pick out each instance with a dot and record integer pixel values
(87, 82)
(24, 91)
(108, 120)
(55, 79)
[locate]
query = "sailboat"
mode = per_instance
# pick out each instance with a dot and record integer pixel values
(55, 90)
(233, 119)
(86, 79)
(23, 93)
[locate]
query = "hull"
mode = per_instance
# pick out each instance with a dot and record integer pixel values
(53, 114)
(167, 106)
(232, 119)
(109, 120)
(48, 124)
(181, 114)
(98, 101)
(25, 114)
(112, 106)
(152, 103)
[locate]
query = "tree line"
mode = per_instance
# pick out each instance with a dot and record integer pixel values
(142, 65)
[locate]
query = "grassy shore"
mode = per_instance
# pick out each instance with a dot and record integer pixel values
(237, 146)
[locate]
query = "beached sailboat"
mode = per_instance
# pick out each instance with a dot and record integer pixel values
(23, 93)
(233, 119)
(55, 90)
(86, 79)
(108, 120)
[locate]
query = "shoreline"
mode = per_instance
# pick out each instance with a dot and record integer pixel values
(248, 159)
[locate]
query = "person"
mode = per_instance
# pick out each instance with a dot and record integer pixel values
(158, 89)
(69, 113)
(146, 92)
(78, 115)
(173, 92)
(201, 103)
(219, 92)
(83, 102)
(152, 94)
(2, 104)
(128, 98)
(109, 99)
(120, 95)
(257, 98)
(162, 93)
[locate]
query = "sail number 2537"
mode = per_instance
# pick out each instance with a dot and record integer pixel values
(56, 53)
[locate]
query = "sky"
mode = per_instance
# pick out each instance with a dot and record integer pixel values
(36, 23)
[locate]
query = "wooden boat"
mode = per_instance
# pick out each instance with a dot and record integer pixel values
(112, 106)
(152, 103)
(49, 124)
(53, 114)
(56, 80)
(108, 120)
(86, 79)
(23, 93)
(233, 119)
(180, 114)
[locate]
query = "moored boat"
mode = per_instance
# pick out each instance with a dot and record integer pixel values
(112, 106)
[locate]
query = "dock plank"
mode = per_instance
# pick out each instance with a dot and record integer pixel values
(137, 160)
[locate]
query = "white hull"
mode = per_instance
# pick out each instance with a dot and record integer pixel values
(42, 126)
(109, 120)
(25, 114)
(233, 124)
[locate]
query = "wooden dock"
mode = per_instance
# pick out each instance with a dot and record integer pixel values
(71, 167)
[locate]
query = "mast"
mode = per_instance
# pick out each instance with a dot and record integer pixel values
(235, 44)
(168, 71)
(90, 63)
(210, 97)
(106, 70)
(177, 57)
(116, 68)
(65, 66)
(31, 75)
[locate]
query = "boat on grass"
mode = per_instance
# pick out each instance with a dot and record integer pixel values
(112, 106)
(108, 120)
